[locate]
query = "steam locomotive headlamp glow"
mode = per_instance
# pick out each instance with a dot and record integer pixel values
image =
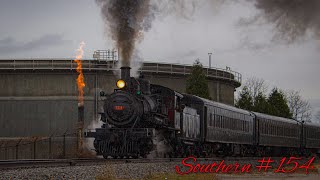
(121, 84)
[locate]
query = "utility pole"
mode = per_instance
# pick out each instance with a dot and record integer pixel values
(209, 60)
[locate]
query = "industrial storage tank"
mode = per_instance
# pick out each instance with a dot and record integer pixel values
(38, 97)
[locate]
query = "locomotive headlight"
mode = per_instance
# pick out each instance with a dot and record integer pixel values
(121, 84)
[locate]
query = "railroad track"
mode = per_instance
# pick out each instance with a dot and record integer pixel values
(33, 163)
(26, 163)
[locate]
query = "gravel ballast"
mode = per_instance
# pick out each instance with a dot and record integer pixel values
(130, 171)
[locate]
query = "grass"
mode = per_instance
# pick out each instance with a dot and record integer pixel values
(109, 174)
(174, 176)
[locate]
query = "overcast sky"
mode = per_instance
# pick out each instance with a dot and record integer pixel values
(43, 28)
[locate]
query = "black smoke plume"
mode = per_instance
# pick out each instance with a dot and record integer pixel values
(127, 19)
(292, 18)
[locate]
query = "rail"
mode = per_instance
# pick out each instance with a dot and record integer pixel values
(96, 65)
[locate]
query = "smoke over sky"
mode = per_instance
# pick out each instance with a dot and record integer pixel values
(292, 18)
(127, 20)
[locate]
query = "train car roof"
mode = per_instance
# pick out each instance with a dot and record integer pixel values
(220, 105)
(193, 99)
(276, 118)
(168, 89)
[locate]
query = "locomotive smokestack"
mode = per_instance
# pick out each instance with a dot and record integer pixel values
(125, 73)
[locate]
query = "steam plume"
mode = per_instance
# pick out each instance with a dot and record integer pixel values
(292, 18)
(88, 147)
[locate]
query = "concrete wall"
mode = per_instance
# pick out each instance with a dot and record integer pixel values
(41, 116)
(52, 84)
(41, 104)
(34, 103)
(220, 91)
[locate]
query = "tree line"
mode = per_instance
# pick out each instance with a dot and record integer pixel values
(287, 104)
(254, 96)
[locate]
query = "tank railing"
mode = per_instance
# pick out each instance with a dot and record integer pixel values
(151, 67)
(186, 69)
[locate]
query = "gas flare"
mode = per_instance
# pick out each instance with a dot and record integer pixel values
(80, 79)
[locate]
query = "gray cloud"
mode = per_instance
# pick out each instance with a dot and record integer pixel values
(11, 45)
(292, 19)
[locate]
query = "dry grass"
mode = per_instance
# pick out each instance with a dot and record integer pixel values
(108, 174)
(174, 176)
(105, 177)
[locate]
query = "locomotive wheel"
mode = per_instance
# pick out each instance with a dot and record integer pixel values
(242, 151)
(261, 152)
(105, 156)
(197, 154)
(144, 155)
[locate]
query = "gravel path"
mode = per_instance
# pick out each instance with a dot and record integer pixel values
(128, 171)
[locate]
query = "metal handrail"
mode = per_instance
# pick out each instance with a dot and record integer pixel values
(96, 65)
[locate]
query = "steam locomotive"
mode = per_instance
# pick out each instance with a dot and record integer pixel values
(138, 116)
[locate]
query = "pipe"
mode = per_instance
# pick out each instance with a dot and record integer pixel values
(80, 112)
(80, 127)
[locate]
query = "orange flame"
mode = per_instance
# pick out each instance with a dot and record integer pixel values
(80, 79)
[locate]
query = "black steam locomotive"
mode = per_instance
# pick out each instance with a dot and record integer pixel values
(139, 116)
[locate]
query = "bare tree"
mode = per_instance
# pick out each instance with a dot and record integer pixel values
(300, 108)
(255, 86)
